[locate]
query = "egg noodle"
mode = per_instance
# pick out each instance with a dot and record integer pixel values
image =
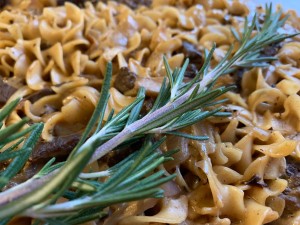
(235, 177)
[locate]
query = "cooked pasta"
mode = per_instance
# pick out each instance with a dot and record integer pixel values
(235, 177)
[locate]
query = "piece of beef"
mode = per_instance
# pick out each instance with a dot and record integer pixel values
(39, 94)
(59, 146)
(133, 4)
(3, 3)
(191, 71)
(237, 77)
(292, 193)
(196, 59)
(34, 97)
(147, 105)
(6, 91)
(125, 80)
(79, 3)
(190, 51)
(271, 50)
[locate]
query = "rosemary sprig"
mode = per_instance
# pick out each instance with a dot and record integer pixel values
(178, 105)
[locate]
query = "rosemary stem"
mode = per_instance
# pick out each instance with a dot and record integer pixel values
(24, 188)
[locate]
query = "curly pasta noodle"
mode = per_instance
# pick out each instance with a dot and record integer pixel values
(233, 178)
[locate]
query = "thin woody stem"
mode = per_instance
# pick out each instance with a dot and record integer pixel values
(24, 188)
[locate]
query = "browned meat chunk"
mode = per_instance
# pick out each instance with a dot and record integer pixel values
(271, 50)
(237, 77)
(39, 94)
(292, 194)
(3, 3)
(76, 2)
(133, 4)
(5, 91)
(147, 105)
(59, 146)
(125, 80)
(191, 71)
(130, 3)
(196, 60)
